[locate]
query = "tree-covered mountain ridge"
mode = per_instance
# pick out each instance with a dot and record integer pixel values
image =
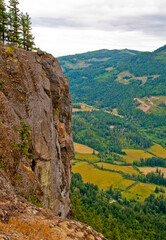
(94, 76)
(129, 84)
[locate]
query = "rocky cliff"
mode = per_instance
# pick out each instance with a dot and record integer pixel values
(34, 187)
(20, 220)
(34, 90)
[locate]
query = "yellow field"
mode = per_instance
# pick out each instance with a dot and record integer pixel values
(125, 77)
(146, 170)
(102, 179)
(158, 150)
(74, 162)
(80, 148)
(125, 169)
(84, 108)
(142, 191)
(119, 162)
(135, 154)
(87, 156)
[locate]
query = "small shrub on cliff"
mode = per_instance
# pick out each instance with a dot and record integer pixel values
(1, 87)
(33, 198)
(10, 49)
(25, 140)
(2, 165)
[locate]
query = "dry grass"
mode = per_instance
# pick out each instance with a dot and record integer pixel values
(125, 169)
(87, 156)
(135, 154)
(152, 104)
(30, 229)
(125, 77)
(103, 179)
(119, 162)
(157, 150)
(109, 69)
(77, 65)
(76, 110)
(115, 112)
(143, 106)
(146, 170)
(80, 148)
(84, 108)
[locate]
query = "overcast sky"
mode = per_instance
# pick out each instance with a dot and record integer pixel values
(63, 27)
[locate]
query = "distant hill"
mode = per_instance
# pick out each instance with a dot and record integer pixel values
(108, 78)
(126, 83)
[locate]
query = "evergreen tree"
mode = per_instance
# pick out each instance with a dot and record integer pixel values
(3, 22)
(27, 40)
(156, 190)
(14, 22)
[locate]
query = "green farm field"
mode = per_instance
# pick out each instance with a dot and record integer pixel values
(141, 191)
(80, 148)
(135, 155)
(83, 108)
(87, 156)
(103, 179)
(157, 150)
(125, 169)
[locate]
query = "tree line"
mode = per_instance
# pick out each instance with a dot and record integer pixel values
(156, 178)
(15, 26)
(151, 162)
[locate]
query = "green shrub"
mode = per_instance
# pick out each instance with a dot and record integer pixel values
(2, 165)
(32, 197)
(1, 85)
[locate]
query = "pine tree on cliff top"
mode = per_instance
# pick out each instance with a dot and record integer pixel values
(3, 22)
(27, 39)
(15, 27)
(14, 22)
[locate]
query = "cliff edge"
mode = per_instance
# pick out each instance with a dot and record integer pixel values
(35, 187)
(34, 90)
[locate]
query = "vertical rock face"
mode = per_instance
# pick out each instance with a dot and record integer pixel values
(34, 89)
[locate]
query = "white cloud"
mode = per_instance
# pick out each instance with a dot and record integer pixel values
(64, 41)
(69, 26)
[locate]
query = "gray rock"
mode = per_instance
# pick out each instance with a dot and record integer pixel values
(35, 90)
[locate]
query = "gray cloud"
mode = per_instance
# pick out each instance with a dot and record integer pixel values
(148, 24)
(56, 22)
(153, 24)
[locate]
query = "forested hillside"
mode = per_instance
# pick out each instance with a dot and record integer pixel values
(112, 78)
(125, 83)
(119, 110)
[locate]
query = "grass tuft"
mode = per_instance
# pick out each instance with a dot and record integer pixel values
(30, 229)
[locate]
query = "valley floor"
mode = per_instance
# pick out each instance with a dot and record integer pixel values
(119, 174)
